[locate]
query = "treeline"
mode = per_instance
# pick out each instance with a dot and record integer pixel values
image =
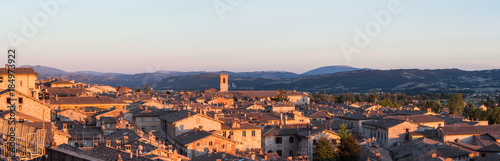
(385, 98)
(454, 102)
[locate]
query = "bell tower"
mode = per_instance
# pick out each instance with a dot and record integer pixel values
(223, 82)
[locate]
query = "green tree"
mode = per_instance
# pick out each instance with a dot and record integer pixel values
(324, 150)
(147, 89)
(281, 96)
(495, 116)
(489, 103)
(372, 98)
(456, 104)
(469, 110)
(235, 99)
(349, 149)
(343, 132)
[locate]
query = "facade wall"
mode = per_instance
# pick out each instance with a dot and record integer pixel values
(285, 146)
(203, 146)
(148, 124)
(28, 107)
(397, 134)
(283, 109)
(25, 83)
(244, 142)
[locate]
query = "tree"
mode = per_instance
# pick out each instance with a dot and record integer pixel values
(372, 98)
(235, 99)
(281, 96)
(147, 89)
(324, 150)
(489, 103)
(343, 132)
(495, 116)
(349, 149)
(469, 109)
(456, 104)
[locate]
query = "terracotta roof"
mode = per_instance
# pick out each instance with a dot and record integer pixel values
(221, 155)
(84, 100)
(495, 147)
(243, 125)
(384, 123)
(460, 130)
(173, 117)
(418, 118)
(61, 81)
(108, 120)
(19, 70)
(150, 113)
(107, 153)
(65, 91)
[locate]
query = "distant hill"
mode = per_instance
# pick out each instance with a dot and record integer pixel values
(359, 80)
(329, 70)
(138, 80)
(43, 70)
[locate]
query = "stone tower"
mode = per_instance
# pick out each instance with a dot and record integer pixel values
(223, 82)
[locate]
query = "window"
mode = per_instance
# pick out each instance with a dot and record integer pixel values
(20, 100)
(244, 133)
(334, 141)
(279, 140)
(269, 151)
(223, 146)
(224, 133)
(210, 143)
(8, 101)
(20, 83)
(314, 142)
(1, 79)
(290, 153)
(279, 152)
(253, 132)
(291, 140)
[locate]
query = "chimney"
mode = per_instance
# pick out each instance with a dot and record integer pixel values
(118, 144)
(65, 128)
(108, 143)
(128, 148)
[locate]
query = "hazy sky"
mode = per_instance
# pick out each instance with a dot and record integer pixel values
(285, 35)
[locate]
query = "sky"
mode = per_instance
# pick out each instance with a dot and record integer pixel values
(127, 36)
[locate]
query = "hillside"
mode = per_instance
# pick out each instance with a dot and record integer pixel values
(360, 80)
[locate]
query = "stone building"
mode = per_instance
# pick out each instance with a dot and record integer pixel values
(179, 122)
(247, 136)
(389, 132)
(198, 142)
(32, 108)
(299, 141)
(25, 80)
